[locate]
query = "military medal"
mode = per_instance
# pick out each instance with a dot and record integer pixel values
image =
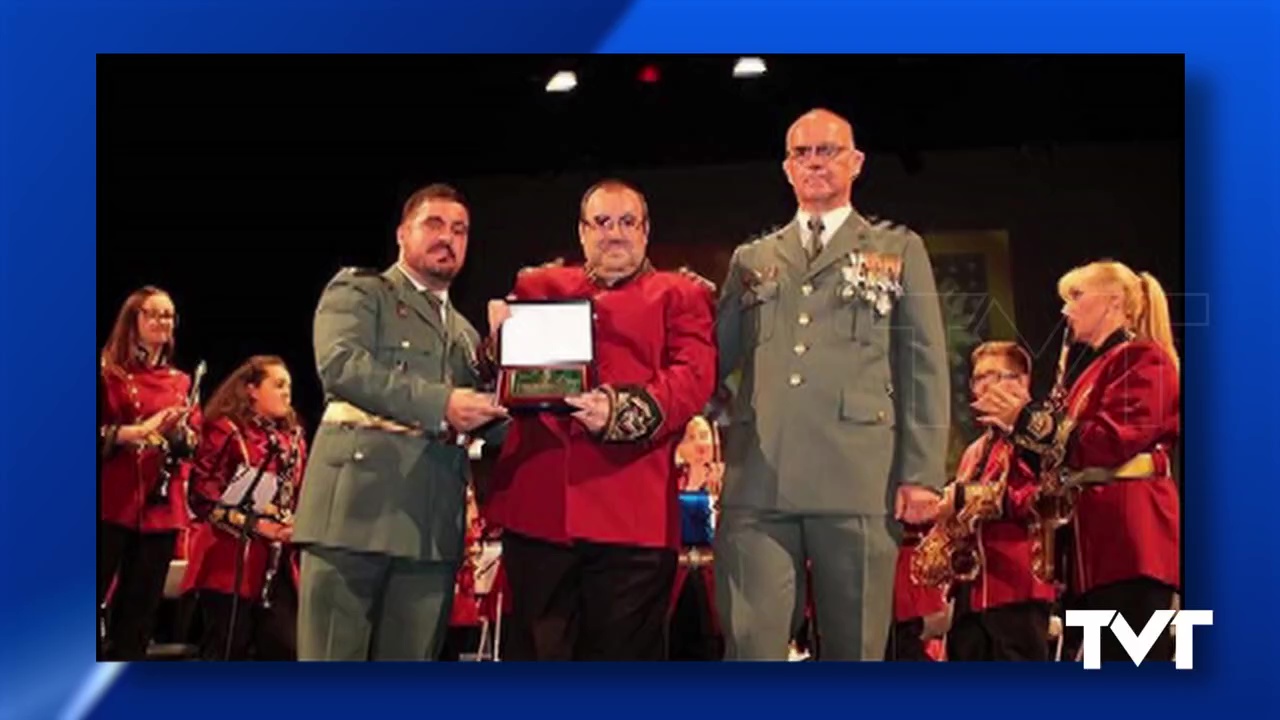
(874, 278)
(402, 310)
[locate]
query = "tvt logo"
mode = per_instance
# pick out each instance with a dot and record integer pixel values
(1138, 645)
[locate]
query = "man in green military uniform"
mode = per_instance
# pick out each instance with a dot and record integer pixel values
(380, 517)
(840, 415)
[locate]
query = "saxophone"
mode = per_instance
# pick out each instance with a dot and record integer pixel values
(282, 504)
(949, 551)
(1054, 503)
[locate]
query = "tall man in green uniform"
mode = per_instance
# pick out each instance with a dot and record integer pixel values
(381, 512)
(840, 418)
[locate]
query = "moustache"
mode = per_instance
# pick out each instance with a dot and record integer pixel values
(608, 243)
(445, 247)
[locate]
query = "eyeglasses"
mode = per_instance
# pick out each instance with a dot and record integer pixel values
(996, 375)
(604, 223)
(159, 315)
(824, 152)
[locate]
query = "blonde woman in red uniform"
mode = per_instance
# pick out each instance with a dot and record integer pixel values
(1112, 422)
(143, 421)
(250, 426)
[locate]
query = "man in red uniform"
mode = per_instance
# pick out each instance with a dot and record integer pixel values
(587, 501)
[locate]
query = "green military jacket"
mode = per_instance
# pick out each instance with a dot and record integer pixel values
(383, 347)
(844, 385)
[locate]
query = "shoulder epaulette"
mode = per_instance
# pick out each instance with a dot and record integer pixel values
(688, 272)
(364, 273)
(878, 223)
(766, 235)
(558, 262)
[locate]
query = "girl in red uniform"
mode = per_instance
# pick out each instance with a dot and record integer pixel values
(1114, 413)
(144, 428)
(248, 415)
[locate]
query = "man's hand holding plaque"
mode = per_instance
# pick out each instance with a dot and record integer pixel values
(467, 410)
(545, 352)
(593, 410)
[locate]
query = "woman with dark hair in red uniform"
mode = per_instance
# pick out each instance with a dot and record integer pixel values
(250, 426)
(1104, 441)
(144, 429)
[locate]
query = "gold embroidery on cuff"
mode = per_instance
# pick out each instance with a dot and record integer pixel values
(633, 414)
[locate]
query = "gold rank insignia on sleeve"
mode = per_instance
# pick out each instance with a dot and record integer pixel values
(1045, 433)
(633, 414)
(1040, 424)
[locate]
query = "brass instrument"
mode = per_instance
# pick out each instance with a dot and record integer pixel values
(178, 445)
(1055, 502)
(282, 504)
(949, 551)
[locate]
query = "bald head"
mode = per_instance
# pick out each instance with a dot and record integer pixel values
(822, 162)
(822, 119)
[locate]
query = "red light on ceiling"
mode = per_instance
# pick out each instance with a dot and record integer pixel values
(649, 74)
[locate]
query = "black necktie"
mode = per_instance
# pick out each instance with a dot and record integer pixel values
(815, 237)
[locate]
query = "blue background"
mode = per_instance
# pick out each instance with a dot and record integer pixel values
(47, 281)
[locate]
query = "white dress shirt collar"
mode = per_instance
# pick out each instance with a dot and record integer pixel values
(831, 221)
(441, 295)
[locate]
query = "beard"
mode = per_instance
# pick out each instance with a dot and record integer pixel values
(443, 270)
(441, 273)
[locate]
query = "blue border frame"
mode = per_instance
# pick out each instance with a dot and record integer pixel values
(47, 274)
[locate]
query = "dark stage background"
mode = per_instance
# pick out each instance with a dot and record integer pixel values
(242, 184)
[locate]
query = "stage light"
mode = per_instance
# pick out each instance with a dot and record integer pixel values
(563, 81)
(649, 74)
(748, 67)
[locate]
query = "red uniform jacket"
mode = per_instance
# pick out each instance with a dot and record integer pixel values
(224, 449)
(910, 600)
(1124, 403)
(1005, 543)
(655, 350)
(129, 474)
